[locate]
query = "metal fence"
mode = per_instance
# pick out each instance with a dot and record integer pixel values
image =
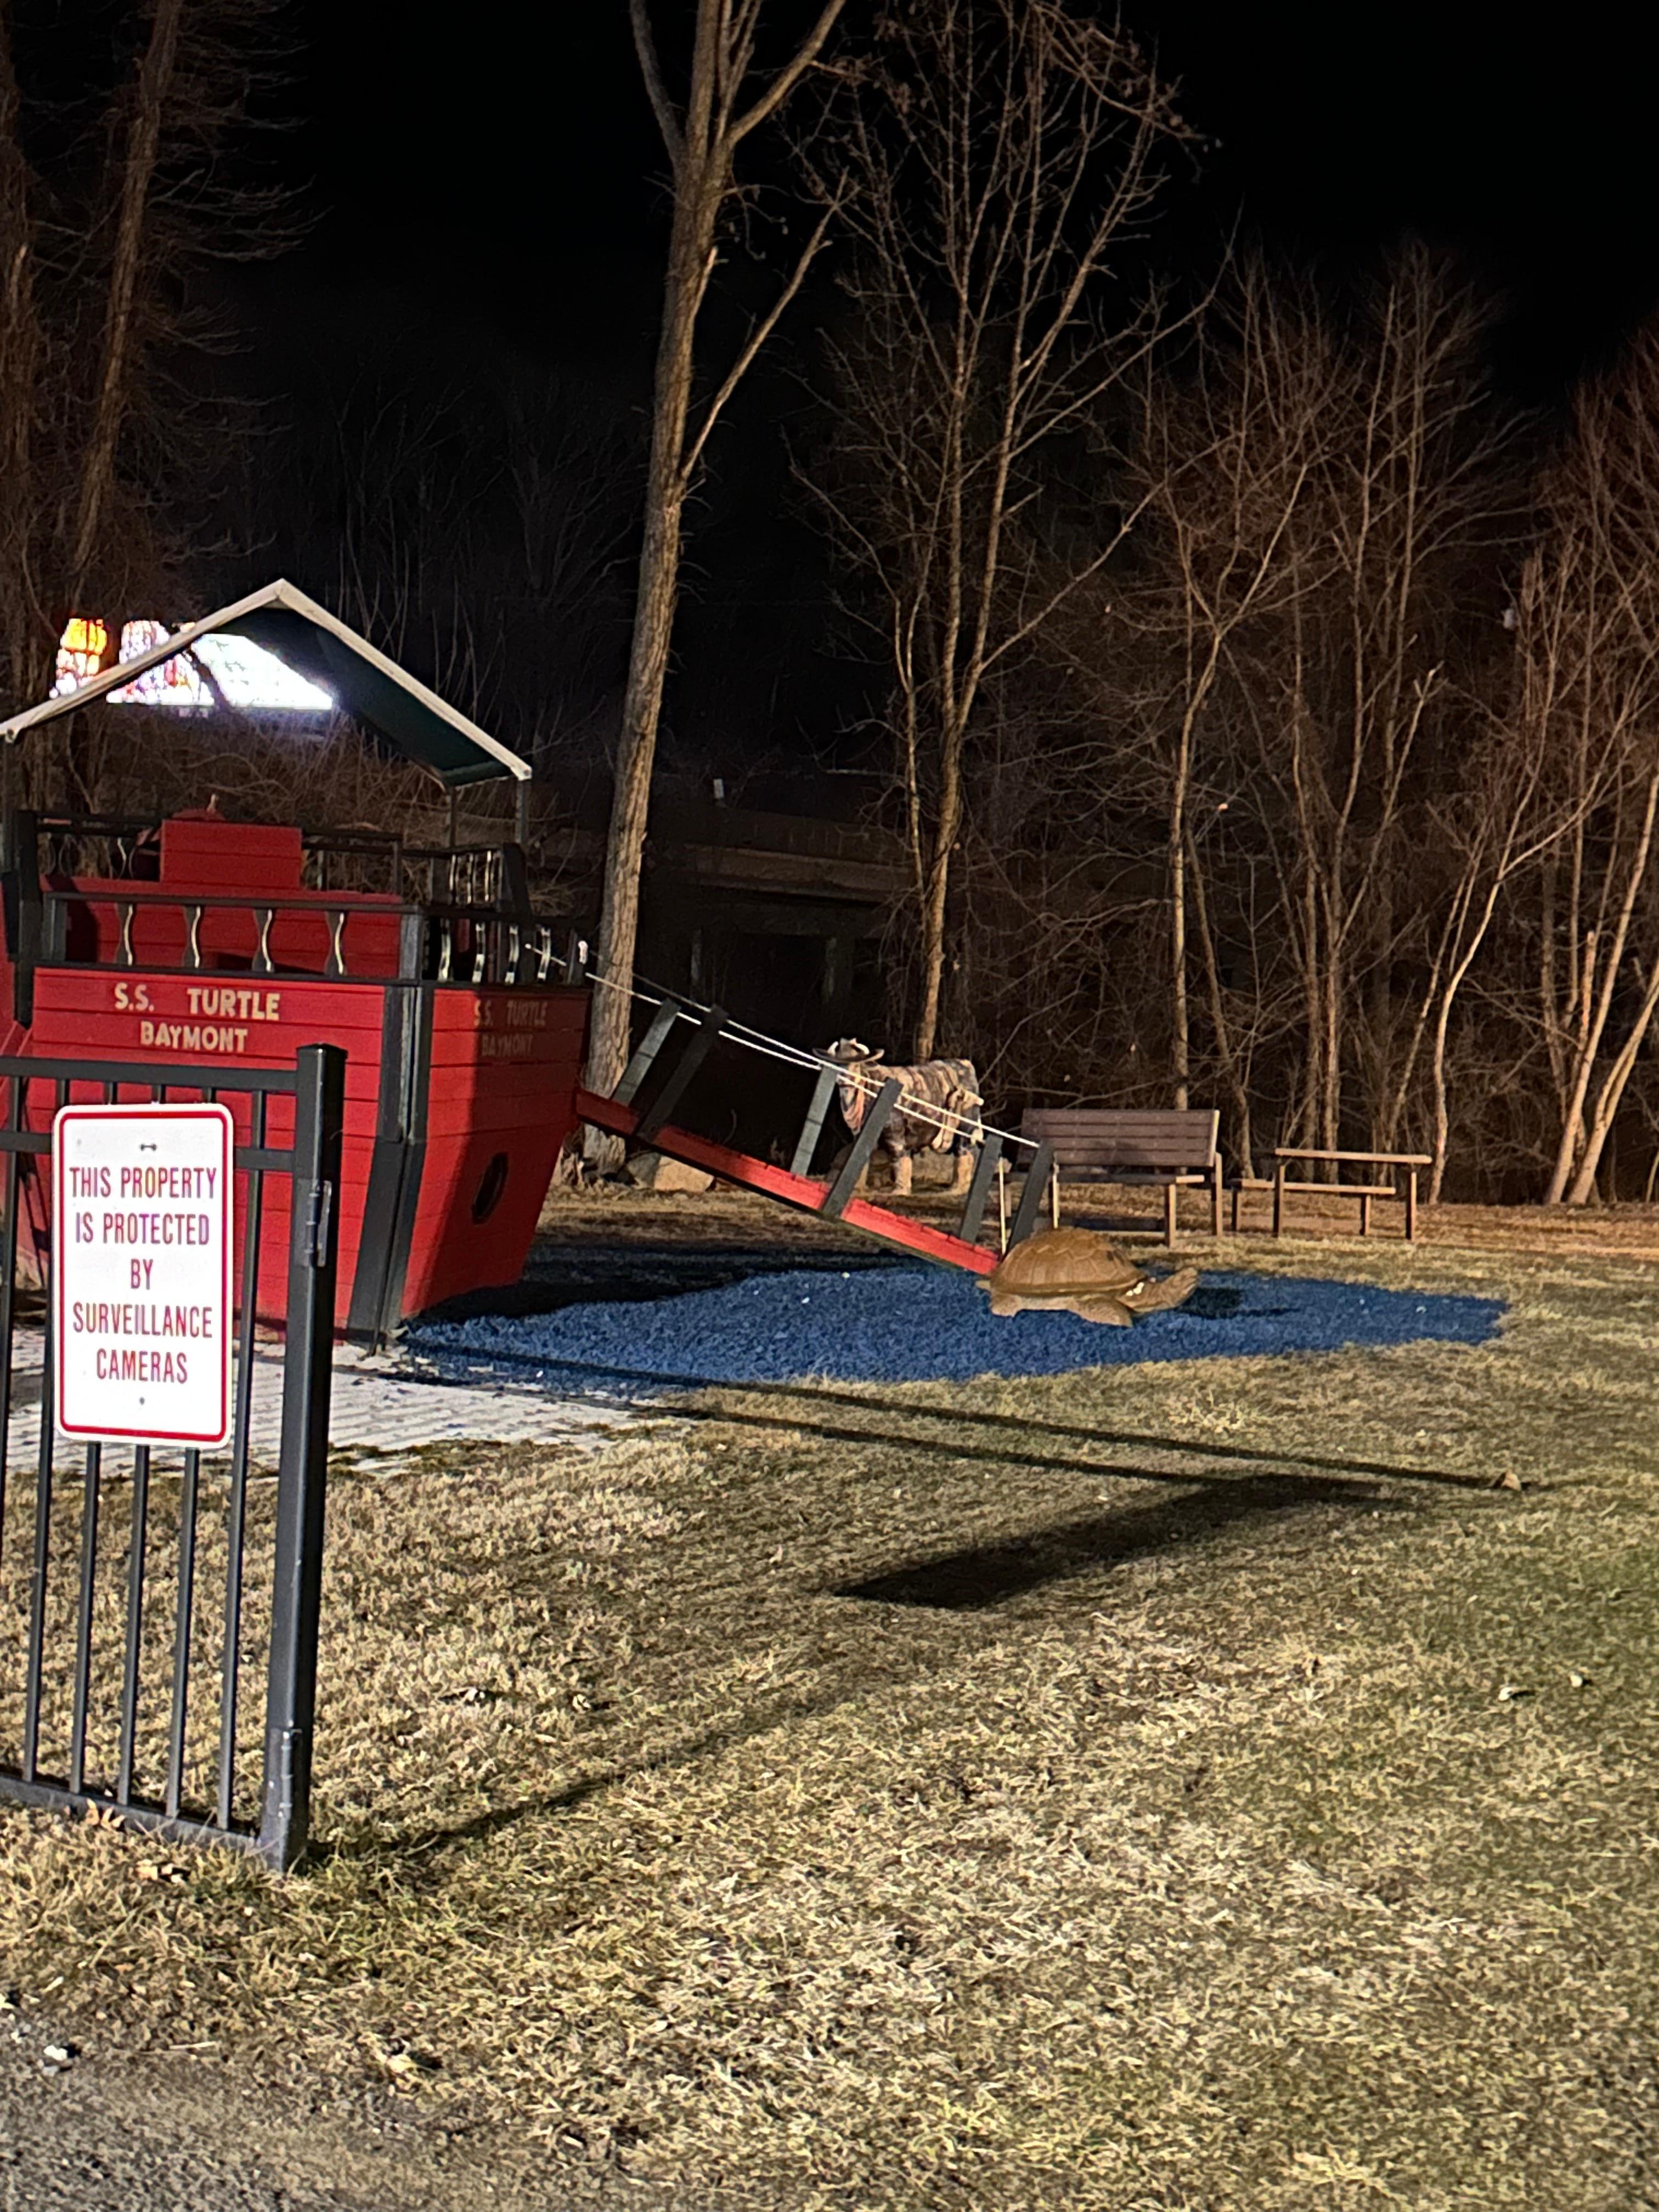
(130, 1642)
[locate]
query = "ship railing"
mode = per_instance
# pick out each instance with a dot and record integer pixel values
(119, 845)
(122, 847)
(471, 945)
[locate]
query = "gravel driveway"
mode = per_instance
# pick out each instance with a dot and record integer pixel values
(105, 2135)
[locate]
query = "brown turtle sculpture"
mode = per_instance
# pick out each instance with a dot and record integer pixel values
(1076, 1271)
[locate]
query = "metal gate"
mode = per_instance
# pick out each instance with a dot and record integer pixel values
(128, 1638)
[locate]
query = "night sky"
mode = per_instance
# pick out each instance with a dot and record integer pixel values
(496, 183)
(523, 170)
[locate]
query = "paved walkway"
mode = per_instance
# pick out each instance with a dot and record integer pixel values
(383, 1403)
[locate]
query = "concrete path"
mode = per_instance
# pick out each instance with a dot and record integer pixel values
(383, 1402)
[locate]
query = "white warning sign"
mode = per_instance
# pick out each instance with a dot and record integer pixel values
(141, 1262)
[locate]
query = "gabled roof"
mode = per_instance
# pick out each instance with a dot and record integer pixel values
(316, 644)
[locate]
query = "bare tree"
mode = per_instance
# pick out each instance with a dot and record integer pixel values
(999, 155)
(1259, 667)
(1224, 446)
(1411, 489)
(1589, 635)
(100, 228)
(1321, 485)
(151, 98)
(1400, 858)
(22, 345)
(1488, 835)
(727, 99)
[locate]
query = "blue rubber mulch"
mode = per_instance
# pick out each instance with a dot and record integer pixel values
(915, 1325)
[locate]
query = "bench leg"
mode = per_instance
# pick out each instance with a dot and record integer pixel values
(1169, 1214)
(1365, 1215)
(1278, 1199)
(1215, 1201)
(1411, 1205)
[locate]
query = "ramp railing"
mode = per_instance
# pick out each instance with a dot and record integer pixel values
(683, 1033)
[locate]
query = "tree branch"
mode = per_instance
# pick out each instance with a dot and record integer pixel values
(651, 70)
(787, 78)
(756, 339)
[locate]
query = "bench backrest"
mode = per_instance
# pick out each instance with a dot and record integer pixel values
(1183, 1141)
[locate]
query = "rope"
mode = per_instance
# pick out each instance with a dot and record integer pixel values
(770, 1047)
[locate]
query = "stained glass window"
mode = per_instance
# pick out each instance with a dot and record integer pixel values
(244, 675)
(81, 652)
(173, 683)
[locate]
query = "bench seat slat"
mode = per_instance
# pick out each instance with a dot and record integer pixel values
(1130, 1164)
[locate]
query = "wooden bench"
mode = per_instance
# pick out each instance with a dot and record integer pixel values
(1101, 1144)
(1397, 1163)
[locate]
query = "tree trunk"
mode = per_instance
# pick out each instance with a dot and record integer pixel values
(1612, 1091)
(1572, 1130)
(938, 893)
(1243, 1133)
(19, 365)
(700, 146)
(110, 409)
(98, 469)
(691, 249)
(1180, 1012)
(1330, 1048)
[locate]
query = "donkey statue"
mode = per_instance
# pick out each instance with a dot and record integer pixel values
(938, 1113)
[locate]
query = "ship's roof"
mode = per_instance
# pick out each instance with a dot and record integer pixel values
(365, 683)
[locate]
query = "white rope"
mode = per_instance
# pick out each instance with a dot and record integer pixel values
(915, 1107)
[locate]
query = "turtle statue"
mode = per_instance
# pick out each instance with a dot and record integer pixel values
(1076, 1271)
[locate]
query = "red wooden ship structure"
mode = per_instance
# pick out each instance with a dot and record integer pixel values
(195, 941)
(199, 941)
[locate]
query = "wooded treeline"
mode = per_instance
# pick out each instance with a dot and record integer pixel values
(1275, 711)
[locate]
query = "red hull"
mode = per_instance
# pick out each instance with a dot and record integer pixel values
(457, 1096)
(480, 1106)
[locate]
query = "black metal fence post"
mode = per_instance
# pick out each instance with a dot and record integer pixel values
(21, 876)
(308, 1366)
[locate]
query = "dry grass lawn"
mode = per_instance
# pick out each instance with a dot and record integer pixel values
(1188, 1786)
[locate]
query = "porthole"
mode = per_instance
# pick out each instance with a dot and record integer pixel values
(491, 1184)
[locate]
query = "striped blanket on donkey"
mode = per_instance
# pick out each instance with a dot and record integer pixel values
(939, 1113)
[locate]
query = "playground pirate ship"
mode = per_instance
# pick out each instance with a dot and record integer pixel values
(198, 942)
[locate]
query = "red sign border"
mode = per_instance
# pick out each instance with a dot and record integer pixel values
(217, 1111)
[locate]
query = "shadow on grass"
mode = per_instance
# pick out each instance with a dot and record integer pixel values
(978, 1578)
(990, 1574)
(989, 1424)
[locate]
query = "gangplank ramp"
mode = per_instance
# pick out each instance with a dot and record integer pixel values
(830, 1199)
